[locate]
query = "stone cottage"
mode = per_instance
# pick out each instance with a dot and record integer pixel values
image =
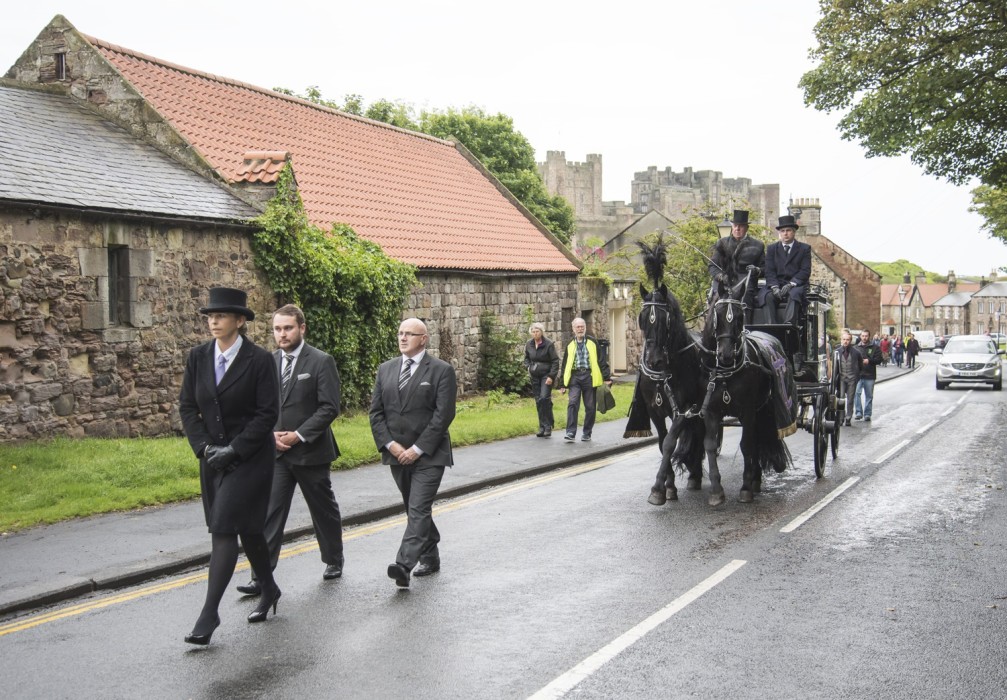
(108, 248)
(426, 201)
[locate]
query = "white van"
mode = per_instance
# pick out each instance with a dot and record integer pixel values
(926, 339)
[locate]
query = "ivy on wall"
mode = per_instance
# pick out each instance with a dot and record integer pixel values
(352, 294)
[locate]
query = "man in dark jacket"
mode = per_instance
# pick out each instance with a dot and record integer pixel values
(868, 375)
(788, 271)
(847, 364)
(736, 256)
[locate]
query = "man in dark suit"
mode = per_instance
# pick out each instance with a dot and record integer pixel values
(412, 407)
(736, 256)
(788, 271)
(305, 448)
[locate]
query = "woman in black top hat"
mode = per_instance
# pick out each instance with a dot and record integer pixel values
(229, 407)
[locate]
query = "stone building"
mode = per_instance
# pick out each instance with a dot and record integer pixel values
(855, 288)
(988, 307)
(109, 247)
(674, 195)
(426, 201)
(943, 308)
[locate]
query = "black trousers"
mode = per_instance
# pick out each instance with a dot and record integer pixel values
(543, 401)
(418, 485)
(316, 486)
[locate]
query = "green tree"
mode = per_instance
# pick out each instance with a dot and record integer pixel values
(991, 203)
(926, 78)
(509, 156)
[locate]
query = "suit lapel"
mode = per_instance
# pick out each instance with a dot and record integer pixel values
(420, 375)
(298, 363)
(208, 375)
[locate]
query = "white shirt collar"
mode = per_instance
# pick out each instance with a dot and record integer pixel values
(416, 360)
(228, 354)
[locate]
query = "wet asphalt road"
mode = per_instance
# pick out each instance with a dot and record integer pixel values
(895, 589)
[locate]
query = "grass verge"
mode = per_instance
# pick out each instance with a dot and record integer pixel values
(54, 480)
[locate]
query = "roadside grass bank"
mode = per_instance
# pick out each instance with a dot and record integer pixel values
(53, 480)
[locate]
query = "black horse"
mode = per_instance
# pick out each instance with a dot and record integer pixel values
(670, 382)
(749, 378)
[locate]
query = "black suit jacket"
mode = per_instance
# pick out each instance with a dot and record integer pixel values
(782, 268)
(241, 412)
(308, 404)
(419, 416)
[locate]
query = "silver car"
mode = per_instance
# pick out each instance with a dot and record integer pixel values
(972, 359)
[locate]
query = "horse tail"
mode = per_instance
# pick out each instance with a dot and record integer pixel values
(773, 451)
(689, 451)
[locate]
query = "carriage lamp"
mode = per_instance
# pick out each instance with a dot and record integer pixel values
(724, 228)
(902, 323)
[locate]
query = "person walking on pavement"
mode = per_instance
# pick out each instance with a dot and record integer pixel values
(847, 362)
(585, 367)
(912, 350)
(412, 407)
(305, 448)
(897, 350)
(868, 375)
(542, 362)
(228, 408)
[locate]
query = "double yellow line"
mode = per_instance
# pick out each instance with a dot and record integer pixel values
(81, 608)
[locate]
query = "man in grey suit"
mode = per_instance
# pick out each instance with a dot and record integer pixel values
(412, 407)
(305, 448)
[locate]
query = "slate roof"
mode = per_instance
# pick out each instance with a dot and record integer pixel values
(993, 289)
(418, 197)
(954, 299)
(57, 152)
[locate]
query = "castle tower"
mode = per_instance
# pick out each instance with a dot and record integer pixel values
(808, 212)
(578, 183)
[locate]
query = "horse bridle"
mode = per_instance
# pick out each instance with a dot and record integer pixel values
(739, 341)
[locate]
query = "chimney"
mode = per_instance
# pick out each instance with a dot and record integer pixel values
(921, 279)
(905, 277)
(952, 281)
(808, 212)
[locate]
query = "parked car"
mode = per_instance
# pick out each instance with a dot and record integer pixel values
(972, 359)
(941, 341)
(998, 338)
(926, 339)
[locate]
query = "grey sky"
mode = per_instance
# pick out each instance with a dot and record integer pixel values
(709, 85)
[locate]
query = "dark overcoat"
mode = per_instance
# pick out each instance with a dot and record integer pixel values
(241, 412)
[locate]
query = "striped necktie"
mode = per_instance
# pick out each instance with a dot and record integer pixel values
(405, 374)
(287, 371)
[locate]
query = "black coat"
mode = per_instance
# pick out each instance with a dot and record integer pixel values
(241, 412)
(733, 256)
(542, 361)
(873, 353)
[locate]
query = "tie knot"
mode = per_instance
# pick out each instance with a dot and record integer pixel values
(409, 362)
(222, 360)
(289, 358)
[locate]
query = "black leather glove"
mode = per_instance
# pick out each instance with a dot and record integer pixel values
(786, 288)
(777, 293)
(721, 277)
(219, 457)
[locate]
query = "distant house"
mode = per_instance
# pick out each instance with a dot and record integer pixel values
(943, 308)
(426, 201)
(988, 308)
(108, 249)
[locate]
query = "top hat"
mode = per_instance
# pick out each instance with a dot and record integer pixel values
(787, 222)
(740, 217)
(225, 299)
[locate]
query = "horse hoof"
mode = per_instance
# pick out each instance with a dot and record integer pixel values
(656, 498)
(716, 499)
(746, 497)
(672, 494)
(694, 484)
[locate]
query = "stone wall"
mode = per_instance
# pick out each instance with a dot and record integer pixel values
(65, 367)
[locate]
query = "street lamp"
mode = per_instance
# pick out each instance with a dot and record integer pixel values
(724, 228)
(902, 323)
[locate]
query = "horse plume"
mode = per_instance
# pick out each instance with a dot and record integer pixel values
(655, 258)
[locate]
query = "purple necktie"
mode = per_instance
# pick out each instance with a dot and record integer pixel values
(221, 368)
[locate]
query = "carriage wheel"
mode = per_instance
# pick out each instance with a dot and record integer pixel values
(820, 439)
(837, 418)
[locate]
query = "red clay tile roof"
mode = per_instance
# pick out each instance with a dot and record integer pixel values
(262, 166)
(416, 196)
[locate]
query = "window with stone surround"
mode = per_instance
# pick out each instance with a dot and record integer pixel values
(118, 285)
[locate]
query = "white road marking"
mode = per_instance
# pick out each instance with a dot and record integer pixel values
(926, 427)
(564, 683)
(806, 515)
(965, 396)
(948, 411)
(890, 452)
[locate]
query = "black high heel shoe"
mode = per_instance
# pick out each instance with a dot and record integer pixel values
(261, 611)
(202, 639)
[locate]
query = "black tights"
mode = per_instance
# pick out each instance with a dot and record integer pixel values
(223, 559)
